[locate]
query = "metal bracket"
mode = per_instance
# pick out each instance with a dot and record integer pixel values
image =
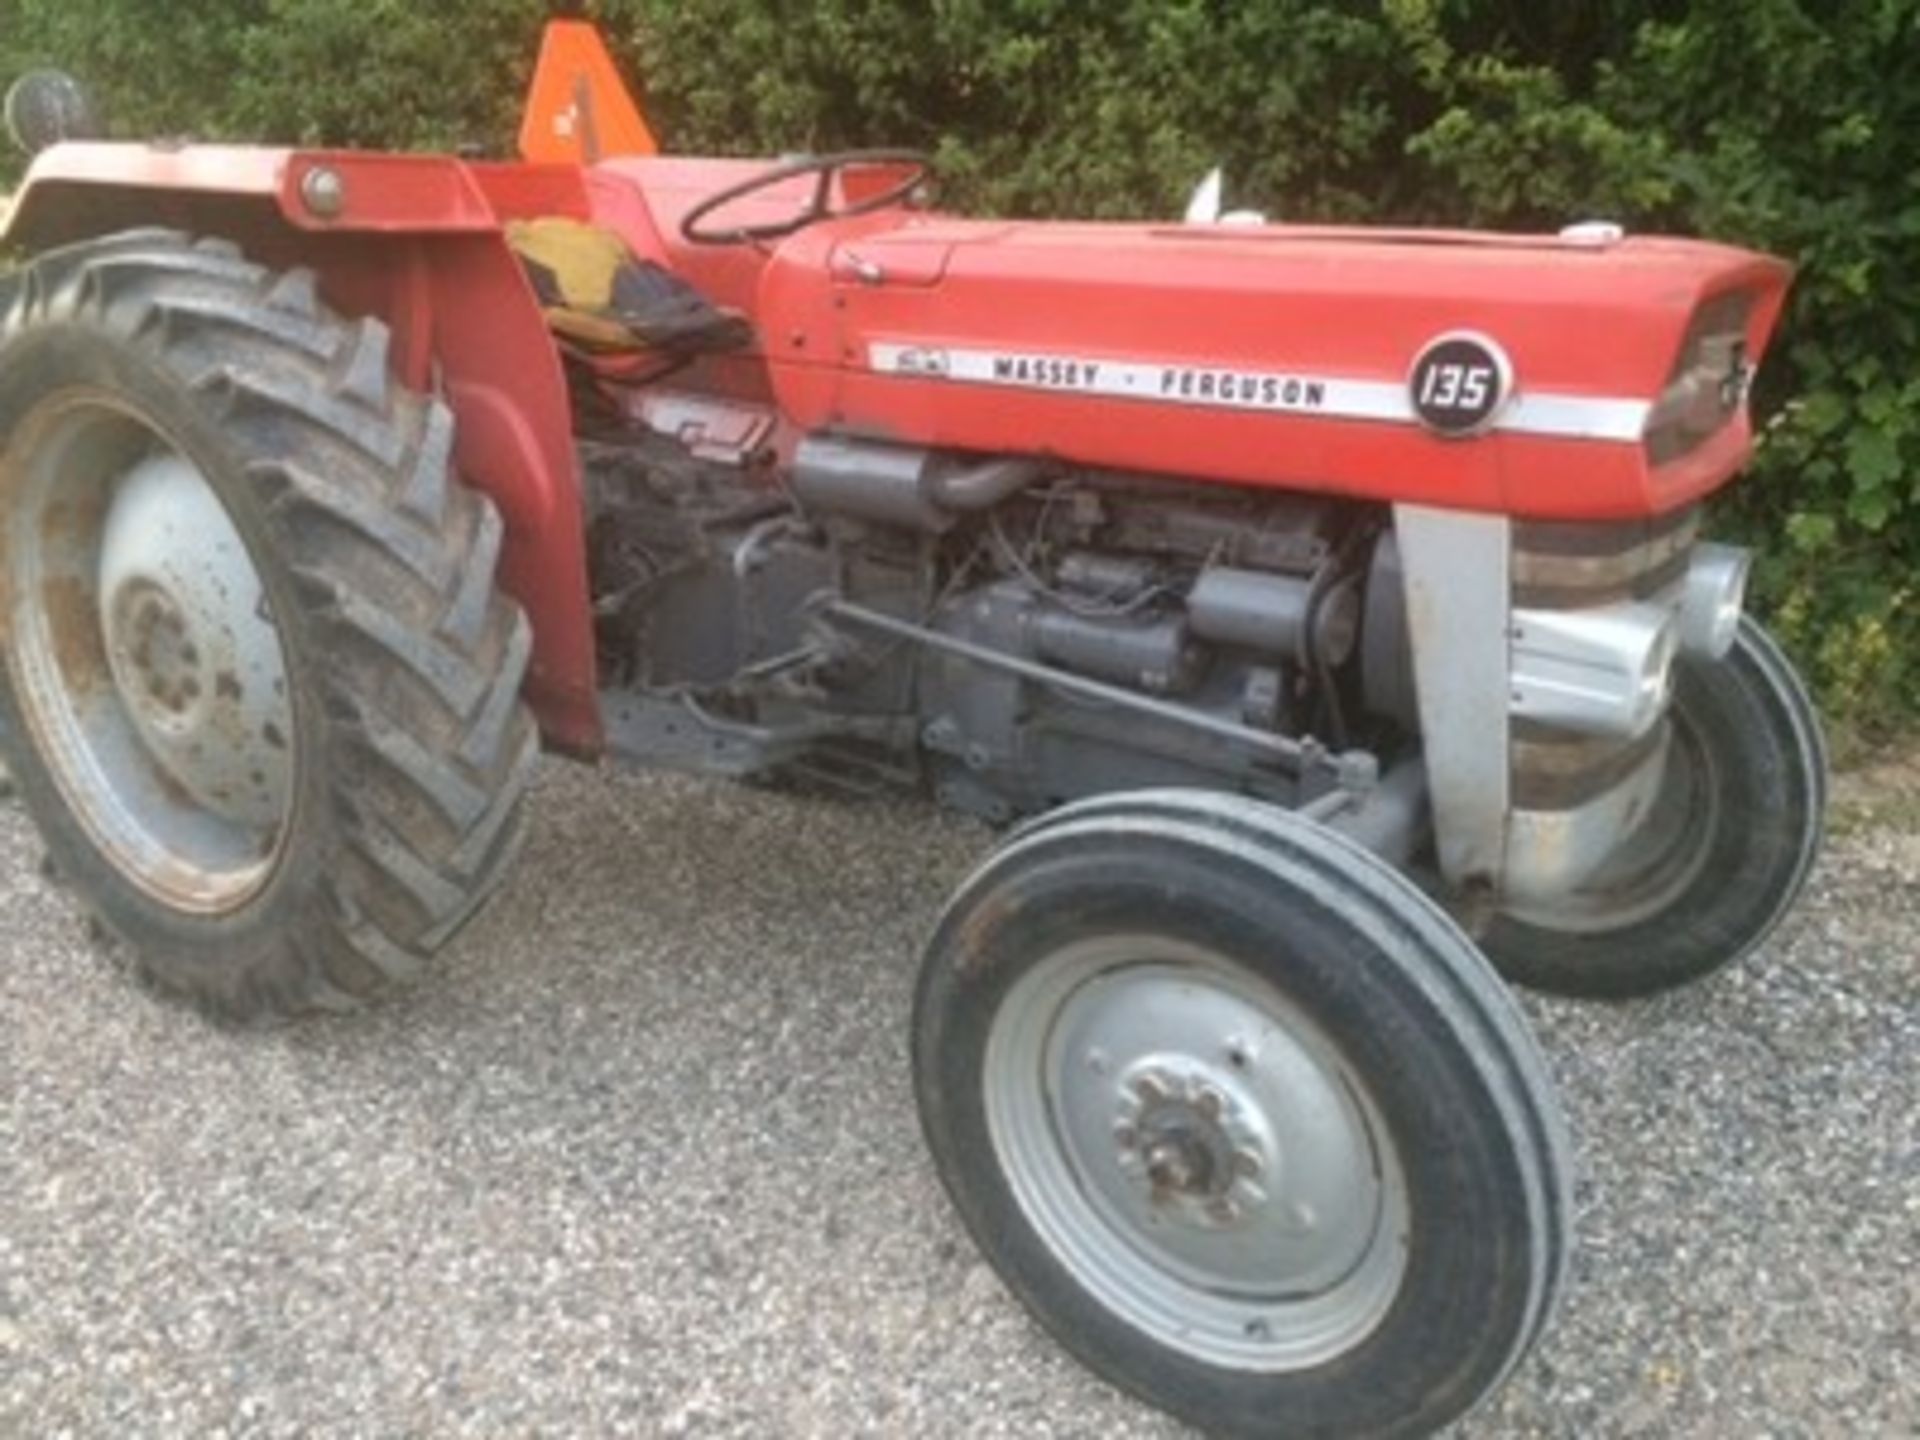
(674, 732)
(1457, 568)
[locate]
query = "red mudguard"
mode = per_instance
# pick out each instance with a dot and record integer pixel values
(416, 240)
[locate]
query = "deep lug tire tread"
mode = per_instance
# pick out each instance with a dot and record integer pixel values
(426, 749)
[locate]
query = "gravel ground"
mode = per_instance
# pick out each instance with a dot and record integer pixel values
(642, 1159)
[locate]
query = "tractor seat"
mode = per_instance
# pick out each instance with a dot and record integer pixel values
(598, 295)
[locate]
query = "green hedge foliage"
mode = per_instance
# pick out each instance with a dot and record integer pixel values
(1790, 125)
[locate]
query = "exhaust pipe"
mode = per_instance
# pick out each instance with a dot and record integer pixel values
(902, 485)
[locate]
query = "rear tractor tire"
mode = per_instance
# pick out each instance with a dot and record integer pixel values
(260, 692)
(1721, 857)
(1243, 1118)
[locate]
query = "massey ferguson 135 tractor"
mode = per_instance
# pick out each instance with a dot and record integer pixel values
(1325, 609)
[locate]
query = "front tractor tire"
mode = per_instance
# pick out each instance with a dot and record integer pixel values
(260, 692)
(1243, 1118)
(1720, 859)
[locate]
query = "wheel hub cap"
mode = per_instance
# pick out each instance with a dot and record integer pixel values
(194, 658)
(1199, 1152)
(1196, 1152)
(160, 665)
(143, 653)
(1228, 1146)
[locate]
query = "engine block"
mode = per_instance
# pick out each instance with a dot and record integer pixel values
(1030, 635)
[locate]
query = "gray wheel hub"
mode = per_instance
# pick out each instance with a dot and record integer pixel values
(195, 659)
(1200, 1150)
(143, 653)
(1197, 1153)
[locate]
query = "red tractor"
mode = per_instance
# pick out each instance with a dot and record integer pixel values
(1325, 608)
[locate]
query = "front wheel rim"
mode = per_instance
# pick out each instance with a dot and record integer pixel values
(1197, 1153)
(144, 658)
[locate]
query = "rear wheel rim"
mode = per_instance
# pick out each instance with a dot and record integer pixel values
(144, 658)
(1197, 1153)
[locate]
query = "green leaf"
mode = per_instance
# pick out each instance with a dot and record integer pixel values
(1873, 459)
(1811, 532)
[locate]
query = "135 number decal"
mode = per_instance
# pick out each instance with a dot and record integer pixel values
(1459, 384)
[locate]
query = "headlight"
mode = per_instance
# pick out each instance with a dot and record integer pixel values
(1709, 382)
(1711, 599)
(1601, 671)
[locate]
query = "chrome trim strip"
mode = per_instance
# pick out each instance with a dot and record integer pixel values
(1232, 387)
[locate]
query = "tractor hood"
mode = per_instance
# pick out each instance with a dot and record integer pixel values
(1587, 376)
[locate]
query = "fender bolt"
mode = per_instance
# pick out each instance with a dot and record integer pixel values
(324, 192)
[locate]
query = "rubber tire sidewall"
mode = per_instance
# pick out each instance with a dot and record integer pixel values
(1453, 1326)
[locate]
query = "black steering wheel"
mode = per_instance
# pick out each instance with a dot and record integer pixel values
(819, 207)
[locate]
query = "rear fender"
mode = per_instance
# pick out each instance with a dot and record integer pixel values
(416, 241)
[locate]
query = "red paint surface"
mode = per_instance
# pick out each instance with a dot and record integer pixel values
(419, 242)
(1601, 324)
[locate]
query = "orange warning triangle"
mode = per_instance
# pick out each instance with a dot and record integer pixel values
(578, 110)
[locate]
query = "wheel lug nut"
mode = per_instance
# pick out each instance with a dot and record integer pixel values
(1168, 1167)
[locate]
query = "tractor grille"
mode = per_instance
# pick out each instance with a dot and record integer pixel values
(1569, 564)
